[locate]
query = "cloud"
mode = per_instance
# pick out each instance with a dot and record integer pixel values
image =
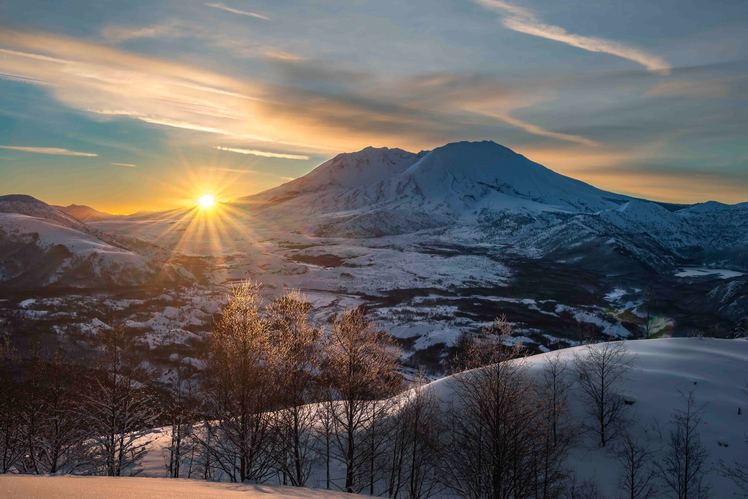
(125, 165)
(423, 109)
(124, 33)
(540, 131)
(525, 21)
(55, 151)
(232, 10)
(311, 107)
(241, 46)
(234, 170)
(112, 82)
(685, 88)
(264, 154)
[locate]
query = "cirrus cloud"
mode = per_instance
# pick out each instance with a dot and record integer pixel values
(264, 154)
(525, 21)
(226, 8)
(54, 151)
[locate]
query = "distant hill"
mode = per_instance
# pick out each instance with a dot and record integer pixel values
(43, 245)
(85, 213)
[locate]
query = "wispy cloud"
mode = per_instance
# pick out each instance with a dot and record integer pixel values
(232, 10)
(686, 88)
(55, 151)
(523, 20)
(538, 130)
(264, 154)
(124, 33)
(113, 82)
(125, 165)
(234, 170)
(313, 107)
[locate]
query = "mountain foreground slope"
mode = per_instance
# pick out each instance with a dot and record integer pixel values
(661, 374)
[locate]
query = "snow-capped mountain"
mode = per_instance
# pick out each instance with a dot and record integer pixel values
(508, 199)
(28, 205)
(458, 178)
(41, 245)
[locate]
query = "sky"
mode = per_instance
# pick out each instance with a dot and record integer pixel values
(147, 106)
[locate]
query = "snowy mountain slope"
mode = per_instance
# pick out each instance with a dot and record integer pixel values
(41, 245)
(37, 251)
(508, 199)
(346, 182)
(452, 179)
(474, 176)
(28, 205)
(661, 372)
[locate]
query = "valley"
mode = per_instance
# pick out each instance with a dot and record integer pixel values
(396, 232)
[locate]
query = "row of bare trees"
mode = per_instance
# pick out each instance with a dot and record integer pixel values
(56, 417)
(284, 400)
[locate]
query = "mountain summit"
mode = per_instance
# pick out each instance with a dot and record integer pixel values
(495, 195)
(450, 181)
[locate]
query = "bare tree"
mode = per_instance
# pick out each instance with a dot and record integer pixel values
(326, 427)
(179, 410)
(11, 449)
(638, 477)
(296, 353)
(31, 404)
(600, 370)
(60, 443)
(118, 409)
(683, 467)
(240, 390)
(360, 368)
(555, 389)
(555, 430)
(738, 471)
(493, 434)
(584, 489)
(414, 444)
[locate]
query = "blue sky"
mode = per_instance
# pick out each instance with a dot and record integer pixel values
(146, 106)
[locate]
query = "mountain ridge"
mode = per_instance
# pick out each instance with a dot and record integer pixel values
(507, 199)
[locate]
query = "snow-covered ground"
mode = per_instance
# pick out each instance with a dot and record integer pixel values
(662, 372)
(89, 487)
(707, 271)
(84, 250)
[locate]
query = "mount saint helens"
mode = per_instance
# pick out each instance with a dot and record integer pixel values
(435, 243)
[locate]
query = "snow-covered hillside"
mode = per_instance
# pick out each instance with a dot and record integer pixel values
(41, 245)
(89, 487)
(28, 205)
(661, 373)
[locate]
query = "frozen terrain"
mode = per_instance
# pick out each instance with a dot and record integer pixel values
(661, 373)
(89, 487)
(436, 243)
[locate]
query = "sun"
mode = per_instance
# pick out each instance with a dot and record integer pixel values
(206, 201)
